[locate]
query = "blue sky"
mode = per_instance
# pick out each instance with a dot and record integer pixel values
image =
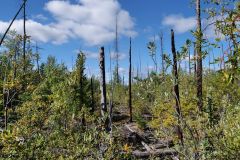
(50, 23)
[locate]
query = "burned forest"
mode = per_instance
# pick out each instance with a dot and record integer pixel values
(114, 79)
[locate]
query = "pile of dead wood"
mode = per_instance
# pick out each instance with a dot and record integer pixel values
(146, 145)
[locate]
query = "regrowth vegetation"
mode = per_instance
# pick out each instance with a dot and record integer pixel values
(49, 112)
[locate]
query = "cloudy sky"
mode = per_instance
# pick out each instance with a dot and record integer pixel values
(62, 27)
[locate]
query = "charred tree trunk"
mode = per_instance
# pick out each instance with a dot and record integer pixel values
(14, 18)
(24, 36)
(5, 107)
(6, 117)
(176, 88)
(92, 96)
(162, 54)
(199, 56)
(234, 60)
(103, 87)
(116, 50)
(130, 81)
(195, 61)
(189, 61)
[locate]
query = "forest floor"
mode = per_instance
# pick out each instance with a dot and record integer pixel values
(143, 143)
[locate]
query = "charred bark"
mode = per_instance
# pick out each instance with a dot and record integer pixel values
(199, 56)
(176, 88)
(130, 81)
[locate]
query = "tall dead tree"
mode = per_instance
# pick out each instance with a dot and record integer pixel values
(162, 54)
(234, 60)
(102, 82)
(92, 95)
(223, 57)
(130, 81)
(195, 61)
(189, 61)
(24, 36)
(199, 56)
(14, 18)
(111, 96)
(176, 88)
(116, 49)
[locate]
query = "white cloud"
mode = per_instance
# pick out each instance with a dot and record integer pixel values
(182, 24)
(210, 30)
(40, 17)
(187, 58)
(122, 70)
(148, 29)
(92, 21)
(88, 54)
(121, 56)
(179, 23)
(150, 68)
(91, 55)
(38, 31)
(153, 38)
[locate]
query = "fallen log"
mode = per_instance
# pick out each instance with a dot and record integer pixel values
(162, 144)
(135, 135)
(157, 153)
(117, 116)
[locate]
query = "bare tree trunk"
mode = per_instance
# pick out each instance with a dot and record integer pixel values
(214, 66)
(116, 49)
(24, 36)
(92, 96)
(14, 18)
(102, 82)
(162, 54)
(5, 107)
(6, 117)
(199, 56)
(111, 97)
(189, 61)
(176, 88)
(209, 62)
(130, 82)
(195, 59)
(234, 60)
(223, 59)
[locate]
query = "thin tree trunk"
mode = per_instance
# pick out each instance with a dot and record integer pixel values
(209, 62)
(162, 54)
(116, 49)
(223, 59)
(234, 60)
(189, 61)
(24, 36)
(195, 61)
(130, 82)
(102, 82)
(199, 56)
(92, 96)
(6, 117)
(14, 18)
(213, 61)
(111, 97)
(176, 88)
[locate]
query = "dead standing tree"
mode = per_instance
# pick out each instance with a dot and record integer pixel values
(176, 88)
(6, 100)
(103, 88)
(24, 36)
(199, 56)
(130, 81)
(162, 53)
(92, 96)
